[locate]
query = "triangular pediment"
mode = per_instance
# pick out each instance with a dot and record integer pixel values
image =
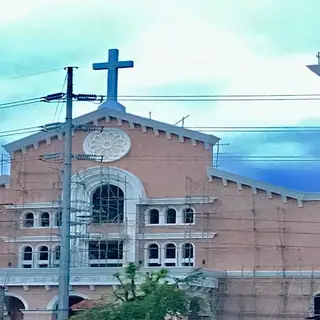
(107, 114)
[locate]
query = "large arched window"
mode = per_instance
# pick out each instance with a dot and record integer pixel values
(14, 305)
(153, 255)
(108, 204)
(45, 219)
(28, 221)
(27, 257)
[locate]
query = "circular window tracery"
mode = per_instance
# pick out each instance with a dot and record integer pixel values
(111, 143)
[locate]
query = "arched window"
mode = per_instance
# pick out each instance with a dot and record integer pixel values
(154, 255)
(27, 257)
(187, 254)
(28, 221)
(154, 216)
(171, 215)
(45, 219)
(108, 204)
(316, 301)
(57, 253)
(43, 257)
(58, 219)
(170, 255)
(188, 215)
(14, 306)
(56, 257)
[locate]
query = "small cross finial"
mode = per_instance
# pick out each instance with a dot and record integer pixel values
(318, 56)
(112, 66)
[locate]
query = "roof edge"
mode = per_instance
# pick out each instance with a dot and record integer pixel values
(268, 187)
(208, 140)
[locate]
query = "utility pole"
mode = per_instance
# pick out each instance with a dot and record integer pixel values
(2, 302)
(64, 271)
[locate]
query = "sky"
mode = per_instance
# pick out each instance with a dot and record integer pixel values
(181, 47)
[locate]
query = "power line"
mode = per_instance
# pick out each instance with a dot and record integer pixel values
(59, 101)
(31, 74)
(223, 95)
(19, 103)
(272, 159)
(198, 98)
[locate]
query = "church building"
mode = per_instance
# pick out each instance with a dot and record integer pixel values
(145, 191)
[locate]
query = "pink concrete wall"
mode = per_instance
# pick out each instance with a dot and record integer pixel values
(252, 230)
(161, 164)
(256, 232)
(265, 298)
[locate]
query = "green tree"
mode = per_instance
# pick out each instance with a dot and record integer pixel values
(153, 299)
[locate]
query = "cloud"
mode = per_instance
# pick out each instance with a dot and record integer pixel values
(180, 47)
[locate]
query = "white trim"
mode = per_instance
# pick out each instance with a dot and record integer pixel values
(109, 236)
(134, 191)
(40, 219)
(170, 260)
(37, 260)
(146, 253)
(24, 239)
(23, 219)
(175, 236)
(162, 216)
(10, 294)
(87, 148)
(182, 215)
(267, 187)
(54, 301)
(106, 261)
(21, 261)
(148, 217)
(35, 205)
(186, 260)
(177, 201)
(166, 209)
(35, 313)
(18, 277)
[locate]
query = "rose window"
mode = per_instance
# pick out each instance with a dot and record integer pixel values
(112, 144)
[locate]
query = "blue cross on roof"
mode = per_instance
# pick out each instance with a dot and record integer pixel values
(112, 66)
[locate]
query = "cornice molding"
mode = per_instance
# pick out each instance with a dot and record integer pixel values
(177, 236)
(178, 201)
(267, 187)
(106, 113)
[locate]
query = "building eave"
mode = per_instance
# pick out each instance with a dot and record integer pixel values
(208, 140)
(256, 184)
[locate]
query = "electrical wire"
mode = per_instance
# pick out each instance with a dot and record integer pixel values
(19, 103)
(59, 101)
(30, 74)
(235, 129)
(275, 158)
(199, 98)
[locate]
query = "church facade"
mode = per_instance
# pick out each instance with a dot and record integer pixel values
(144, 191)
